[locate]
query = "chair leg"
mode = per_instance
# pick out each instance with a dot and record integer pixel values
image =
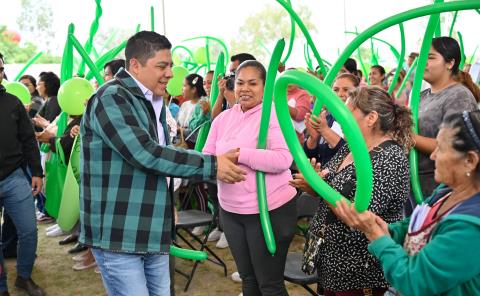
(205, 247)
(310, 290)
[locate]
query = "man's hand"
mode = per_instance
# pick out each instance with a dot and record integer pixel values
(227, 171)
(37, 184)
(44, 137)
(222, 85)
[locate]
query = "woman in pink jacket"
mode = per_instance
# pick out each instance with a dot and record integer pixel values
(236, 130)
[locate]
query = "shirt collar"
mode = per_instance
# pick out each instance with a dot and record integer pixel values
(145, 91)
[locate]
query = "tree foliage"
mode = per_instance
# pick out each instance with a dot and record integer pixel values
(267, 26)
(18, 53)
(36, 21)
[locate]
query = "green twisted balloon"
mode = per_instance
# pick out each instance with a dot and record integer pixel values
(87, 59)
(292, 37)
(188, 254)
(66, 68)
(415, 101)
(462, 51)
(219, 70)
(93, 31)
(407, 76)
(472, 58)
(357, 145)
(152, 19)
(108, 56)
(27, 65)
(262, 144)
(305, 32)
(400, 60)
(453, 23)
(219, 41)
(393, 49)
(386, 23)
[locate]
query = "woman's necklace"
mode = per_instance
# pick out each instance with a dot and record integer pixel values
(349, 158)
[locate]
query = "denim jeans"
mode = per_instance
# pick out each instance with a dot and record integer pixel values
(133, 274)
(17, 200)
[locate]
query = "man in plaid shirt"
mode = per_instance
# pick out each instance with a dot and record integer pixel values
(126, 206)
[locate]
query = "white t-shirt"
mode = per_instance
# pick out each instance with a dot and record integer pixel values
(185, 113)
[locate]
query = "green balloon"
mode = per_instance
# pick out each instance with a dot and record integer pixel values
(19, 90)
(353, 135)
(176, 59)
(174, 86)
(4, 83)
(200, 55)
(73, 94)
(188, 254)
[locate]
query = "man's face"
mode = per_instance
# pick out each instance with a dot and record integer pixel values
(156, 72)
(234, 65)
(2, 70)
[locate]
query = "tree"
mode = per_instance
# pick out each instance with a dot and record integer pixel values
(17, 54)
(266, 27)
(36, 19)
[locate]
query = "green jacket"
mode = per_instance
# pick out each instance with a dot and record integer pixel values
(450, 262)
(125, 204)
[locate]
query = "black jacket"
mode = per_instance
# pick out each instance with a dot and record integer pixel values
(18, 146)
(50, 109)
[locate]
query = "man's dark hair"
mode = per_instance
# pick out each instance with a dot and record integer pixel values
(143, 46)
(51, 82)
(115, 65)
(1, 57)
(256, 65)
(242, 57)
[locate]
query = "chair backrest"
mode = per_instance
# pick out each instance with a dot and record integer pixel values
(307, 205)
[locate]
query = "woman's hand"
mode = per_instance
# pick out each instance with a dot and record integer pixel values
(367, 222)
(205, 105)
(300, 182)
(40, 121)
(74, 131)
(312, 132)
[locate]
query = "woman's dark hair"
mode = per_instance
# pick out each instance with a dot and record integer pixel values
(466, 127)
(351, 66)
(254, 64)
(196, 81)
(354, 79)
(449, 49)
(51, 81)
(115, 65)
(380, 69)
(33, 81)
(392, 119)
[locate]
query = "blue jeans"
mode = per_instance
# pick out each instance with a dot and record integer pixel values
(133, 274)
(17, 200)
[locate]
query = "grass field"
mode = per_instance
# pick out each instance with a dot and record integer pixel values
(53, 272)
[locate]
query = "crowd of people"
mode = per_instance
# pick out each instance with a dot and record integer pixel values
(132, 153)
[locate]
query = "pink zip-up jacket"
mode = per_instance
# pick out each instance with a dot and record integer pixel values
(234, 128)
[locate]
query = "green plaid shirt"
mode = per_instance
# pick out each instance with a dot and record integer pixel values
(125, 204)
